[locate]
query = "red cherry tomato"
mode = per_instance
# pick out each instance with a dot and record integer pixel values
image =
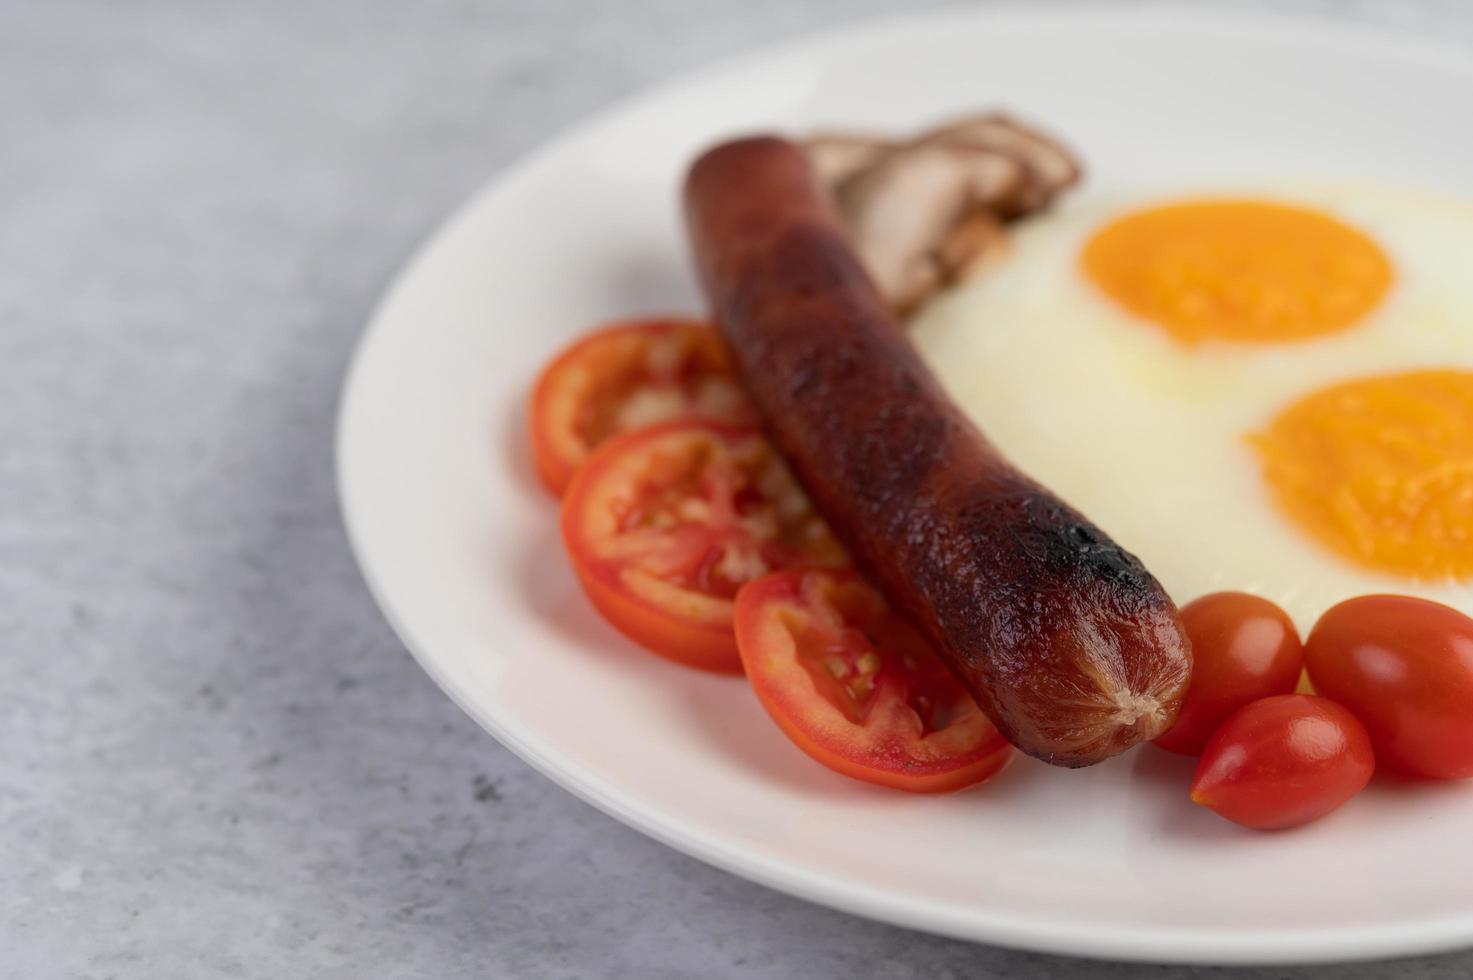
(1243, 648)
(857, 688)
(624, 377)
(1404, 667)
(1283, 762)
(664, 524)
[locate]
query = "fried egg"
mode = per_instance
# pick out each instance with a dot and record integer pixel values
(1268, 391)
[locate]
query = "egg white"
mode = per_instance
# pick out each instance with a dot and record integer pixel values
(1147, 436)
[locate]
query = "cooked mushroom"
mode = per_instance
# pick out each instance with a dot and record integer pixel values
(971, 242)
(996, 181)
(1049, 166)
(898, 209)
(926, 213)
(838, 156)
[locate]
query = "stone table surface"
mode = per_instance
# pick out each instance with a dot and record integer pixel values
(215, 758)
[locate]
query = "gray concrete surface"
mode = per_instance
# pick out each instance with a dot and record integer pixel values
(215, 759)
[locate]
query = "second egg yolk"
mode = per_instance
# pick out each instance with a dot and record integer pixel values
(1238, 270)
(1380, 471)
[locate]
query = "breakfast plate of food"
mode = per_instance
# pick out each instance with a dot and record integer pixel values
(1005, 472)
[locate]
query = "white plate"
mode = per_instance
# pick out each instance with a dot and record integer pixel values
(460, 546)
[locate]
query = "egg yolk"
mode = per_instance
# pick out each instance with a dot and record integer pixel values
(1380, 470)
(1238, 270)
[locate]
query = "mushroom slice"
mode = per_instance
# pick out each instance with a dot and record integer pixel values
(926, 213)
(974, 240)
(923, 279)
(836, 157)
(995, 180)
(1050, 167)
(898, 209)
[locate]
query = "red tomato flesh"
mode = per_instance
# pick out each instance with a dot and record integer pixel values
(664, 524)
(1404, 667)
(1243, 648)
(856, 687)
(624, 377)
(1283, 761)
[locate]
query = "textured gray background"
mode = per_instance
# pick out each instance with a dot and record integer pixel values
(215, 759)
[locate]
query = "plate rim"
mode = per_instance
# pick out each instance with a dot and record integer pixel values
(1022, 932)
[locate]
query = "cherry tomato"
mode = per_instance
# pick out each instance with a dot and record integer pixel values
(856, 687)
(1283, 762)
(624, 377)
(1243, 648)
(1404, 667)
(664, 524)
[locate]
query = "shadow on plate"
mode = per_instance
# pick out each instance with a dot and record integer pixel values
(1163, 780)
(721, 709)
(515, 451)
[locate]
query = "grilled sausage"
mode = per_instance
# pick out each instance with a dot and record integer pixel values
(1065, 640)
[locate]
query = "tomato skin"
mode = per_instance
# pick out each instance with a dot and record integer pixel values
(553, 470)
(1243, 648)
(1404, 667)
(705, 645)
(679, 365)
(1283, 762)
(657, 518)
(777, 619)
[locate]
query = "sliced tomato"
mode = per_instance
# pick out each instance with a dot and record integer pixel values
(664, 524)
(855, 686)
(624, 377)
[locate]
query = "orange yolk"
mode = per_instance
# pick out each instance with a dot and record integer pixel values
(1238, 270)
(1380, 470)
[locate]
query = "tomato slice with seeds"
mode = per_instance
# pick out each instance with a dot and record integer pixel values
(664, 524)
(623, 377)
(855, 686)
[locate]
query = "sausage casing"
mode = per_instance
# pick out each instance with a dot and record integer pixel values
(1066, 641)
